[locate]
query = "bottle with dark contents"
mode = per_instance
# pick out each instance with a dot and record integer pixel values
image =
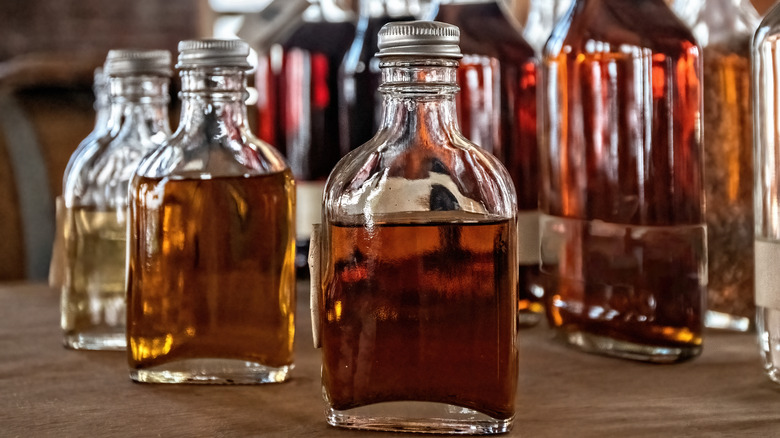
(359, 101)
(211, 275)
(418, 299)
(623, 237)
(724, 29)
(496, 109)
(96, 198)
(297, 84)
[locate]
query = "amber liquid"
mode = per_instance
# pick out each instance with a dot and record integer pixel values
(497, 110)
(211, 271)
(421, 312)
(622, 172)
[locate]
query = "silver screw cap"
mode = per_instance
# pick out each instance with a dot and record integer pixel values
(419, 38)
(124, 62)
(213, 53)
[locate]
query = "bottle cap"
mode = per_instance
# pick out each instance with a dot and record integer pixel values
(213, 53)
(135, 62)
(419, 38)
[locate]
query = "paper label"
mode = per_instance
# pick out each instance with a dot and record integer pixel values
(767, 274)
(308, 207)
(528, 237)
(314, 276)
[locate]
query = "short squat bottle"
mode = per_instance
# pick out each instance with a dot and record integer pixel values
(623, 238)
(211, 275)
(766, 138)
(417, 317)
(95, 197)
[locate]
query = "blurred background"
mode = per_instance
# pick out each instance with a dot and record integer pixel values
(50, 48)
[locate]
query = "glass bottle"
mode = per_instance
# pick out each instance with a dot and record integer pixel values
(766, 140)
(95, 195)
(542, 16)
(359, 74)
(297, 83)
(102, 107)
(496, 109)
(623, 237)
(417, 311)
(211, 274)
(723, 29)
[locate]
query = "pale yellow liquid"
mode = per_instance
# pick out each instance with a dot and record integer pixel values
(93, 297)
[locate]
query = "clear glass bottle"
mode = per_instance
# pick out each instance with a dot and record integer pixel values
(766, 140)
(102, 108)
(542, 17)
(723, 29)
(211, 274)
(417, 311)
(496, 109)
(623, 237)
(359, 74)
(95, 195)
(297, 84)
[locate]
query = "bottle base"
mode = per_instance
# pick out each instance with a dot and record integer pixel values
(96, 341)
(212, 371)
(768, 331)
(603, 345)
(419, 417)
(725, 321)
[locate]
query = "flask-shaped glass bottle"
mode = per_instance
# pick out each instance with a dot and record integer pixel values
(766, 138)
(623, 238)
(95, 195)
(211, 276)
(723, 28)
(496, 109)
(417, 309)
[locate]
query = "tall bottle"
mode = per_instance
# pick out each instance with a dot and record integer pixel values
(623, 237)
(723, 29)
(542, 17)
(766, 140)
(359, 74)
(417, 311)
(297, 83)
(211, 275)
(102, 107)
(95, 197)
(496, 109)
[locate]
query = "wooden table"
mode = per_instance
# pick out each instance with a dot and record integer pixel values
(46, 390)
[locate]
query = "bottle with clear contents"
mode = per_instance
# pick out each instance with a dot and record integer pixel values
(297, 84)
(623, 237)
(102, 107)
(211, 273)
(766, 141)
(723, 29)
(418, 291)
(360, 103)
(496, 109)
(95, 197)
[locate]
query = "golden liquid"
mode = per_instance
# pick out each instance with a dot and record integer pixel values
(421, 312)
(93, 298)
(211, 270)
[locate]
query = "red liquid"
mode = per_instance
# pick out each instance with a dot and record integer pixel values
(421, 312)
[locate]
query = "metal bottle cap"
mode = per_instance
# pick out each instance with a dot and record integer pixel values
(419, 38)
(135, 62)
(213, 53)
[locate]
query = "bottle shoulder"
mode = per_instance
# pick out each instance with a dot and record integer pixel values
(390, 178)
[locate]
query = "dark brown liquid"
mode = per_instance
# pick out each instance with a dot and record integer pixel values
(211, 270)
(623, 152)
(421, 312)
(497, 107)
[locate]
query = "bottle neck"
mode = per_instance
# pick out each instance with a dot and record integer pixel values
(419, 97)
(137, 100)
(213, 94)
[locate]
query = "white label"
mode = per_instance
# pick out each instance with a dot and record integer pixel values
(314, 274)
(308, 211)
(528, 237)
(767, 274)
